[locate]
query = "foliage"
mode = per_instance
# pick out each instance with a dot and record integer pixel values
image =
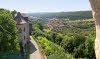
(52, 50)
(76, 38)
(13, 12)
(8, 32)
(62, 15)
(40, 26)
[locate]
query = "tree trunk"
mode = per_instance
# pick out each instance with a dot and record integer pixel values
(95, 4)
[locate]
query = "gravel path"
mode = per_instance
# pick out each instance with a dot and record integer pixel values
(34, 50)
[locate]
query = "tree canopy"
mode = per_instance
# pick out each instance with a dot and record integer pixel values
(8, 32)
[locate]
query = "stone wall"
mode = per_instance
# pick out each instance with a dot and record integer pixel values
(95, 4)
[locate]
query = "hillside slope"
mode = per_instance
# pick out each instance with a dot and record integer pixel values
(71, 15)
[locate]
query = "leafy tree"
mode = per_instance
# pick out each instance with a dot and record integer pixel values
(40, 25)
(13, 12)
(85, 50)
(59, 38)
(8, 32)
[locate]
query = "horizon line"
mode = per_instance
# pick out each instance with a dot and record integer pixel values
(56, 11)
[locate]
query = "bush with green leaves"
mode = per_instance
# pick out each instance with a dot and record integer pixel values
(52, 50)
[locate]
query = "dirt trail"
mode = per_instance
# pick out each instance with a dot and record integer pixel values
(34, 50)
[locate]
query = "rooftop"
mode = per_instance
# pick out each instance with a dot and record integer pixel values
(20, 18)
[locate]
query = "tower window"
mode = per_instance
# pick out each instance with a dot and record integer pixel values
(24, 37)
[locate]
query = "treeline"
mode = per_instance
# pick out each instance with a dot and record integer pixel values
(75, 41)
(70, 15)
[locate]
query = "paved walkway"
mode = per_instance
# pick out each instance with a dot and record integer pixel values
(34, 50)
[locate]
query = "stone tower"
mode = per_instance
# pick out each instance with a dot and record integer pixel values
(95, 4)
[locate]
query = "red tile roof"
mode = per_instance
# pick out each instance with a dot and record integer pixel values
(20, 18)
(20, 21)
(24, 15)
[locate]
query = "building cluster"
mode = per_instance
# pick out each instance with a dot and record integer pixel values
(54, 23)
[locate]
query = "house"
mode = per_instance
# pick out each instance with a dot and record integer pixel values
(23, 30)
(54, 24)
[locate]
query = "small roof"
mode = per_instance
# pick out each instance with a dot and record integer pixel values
(24, 15)
(19, 18)
(20, 21)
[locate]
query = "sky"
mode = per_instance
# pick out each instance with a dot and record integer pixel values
(31, 6)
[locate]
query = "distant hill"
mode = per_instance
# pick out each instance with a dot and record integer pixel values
(71, 15)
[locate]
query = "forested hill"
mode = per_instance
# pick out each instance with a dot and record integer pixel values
(71, 15)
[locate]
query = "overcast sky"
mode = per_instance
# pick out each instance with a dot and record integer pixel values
(28, 6)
